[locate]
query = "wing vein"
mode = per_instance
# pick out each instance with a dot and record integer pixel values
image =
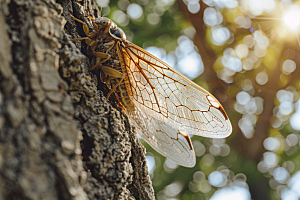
(141, 70)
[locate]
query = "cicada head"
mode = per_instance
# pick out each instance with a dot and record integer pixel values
(101, 23)
(113, 29)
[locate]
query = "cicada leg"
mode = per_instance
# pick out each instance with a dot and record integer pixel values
(103, 55)
(87, 12)
(110, 45)
(100, 55)
(87, 40)
(120, 104)
(114, 74)
(85, 29)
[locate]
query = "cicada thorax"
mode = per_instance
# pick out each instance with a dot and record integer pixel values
(109, 47)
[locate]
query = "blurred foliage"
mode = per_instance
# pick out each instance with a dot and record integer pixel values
(251, 44)
(144, 34)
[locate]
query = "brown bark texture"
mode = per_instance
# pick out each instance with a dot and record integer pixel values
(59, 137)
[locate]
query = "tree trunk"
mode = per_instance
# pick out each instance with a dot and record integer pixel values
(59, 137)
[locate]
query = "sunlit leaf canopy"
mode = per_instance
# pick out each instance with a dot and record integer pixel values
(254, 45)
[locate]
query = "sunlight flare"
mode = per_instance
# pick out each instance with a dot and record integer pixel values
(291, 18)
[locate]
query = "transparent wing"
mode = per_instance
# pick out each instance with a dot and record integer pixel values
(169, 142)
(167, 96)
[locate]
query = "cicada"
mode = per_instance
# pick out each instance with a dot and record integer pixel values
(164, 106)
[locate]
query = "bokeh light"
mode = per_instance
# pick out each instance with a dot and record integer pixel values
(217, 179)
(185, 55)
(173, 189)
(288, 66)
(153, 18)
(212, 17)
(199, 148)
(272, 144)
(134, 11)
(262, 78)
(234, 192)
(220, 35)
(243, 22)
(151, 163)
(243, 98)
(294, 120)
(271, 159)
(257, 7)
(120, 17)
(193, 6)
(103, 3)
(170, 166)
(241, 51)
(281, 175)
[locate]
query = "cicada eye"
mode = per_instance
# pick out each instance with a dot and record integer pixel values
(103, 21)
(117, 33)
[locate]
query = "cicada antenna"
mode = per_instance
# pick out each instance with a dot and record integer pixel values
(101, 11)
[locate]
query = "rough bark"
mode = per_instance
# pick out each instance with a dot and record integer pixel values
(59, 137)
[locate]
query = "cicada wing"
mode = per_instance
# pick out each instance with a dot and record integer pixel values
(166, 140)
(166, 95)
